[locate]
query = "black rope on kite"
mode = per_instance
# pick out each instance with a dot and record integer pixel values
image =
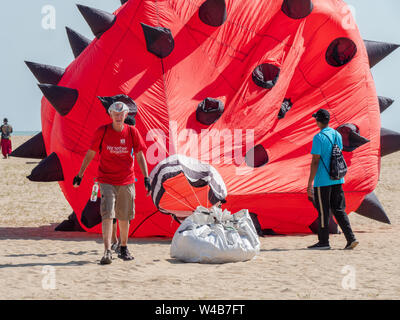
(143, 222)
(175, 218)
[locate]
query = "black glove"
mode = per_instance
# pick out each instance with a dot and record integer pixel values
(77, 180)
(147, 184)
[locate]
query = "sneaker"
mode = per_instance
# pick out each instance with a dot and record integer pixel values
(320, 246)
(125, 254)
(116, 246)
(351, 245)
(107, 258)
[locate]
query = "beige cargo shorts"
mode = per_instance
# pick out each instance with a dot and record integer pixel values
(117, 202)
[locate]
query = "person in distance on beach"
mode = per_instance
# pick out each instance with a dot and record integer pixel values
(6, 130)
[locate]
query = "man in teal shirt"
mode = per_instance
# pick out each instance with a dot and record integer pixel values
(327, 193)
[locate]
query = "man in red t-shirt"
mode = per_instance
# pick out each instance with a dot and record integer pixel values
(116, 176)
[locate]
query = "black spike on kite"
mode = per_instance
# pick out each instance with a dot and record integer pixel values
(213, 12)
(123, 2)
(91, 214)
(108, 101)
(356, 141)
(390, 141)
(77, 41)
(372, 208)
(351, 137)
(159, 40)
(71, 224)
(99, 21)
(45, 73)
(333, 227)
(62, 99)
(256, 224)
(49, 169)
(384, 103)
(377, 51)
(32, 149)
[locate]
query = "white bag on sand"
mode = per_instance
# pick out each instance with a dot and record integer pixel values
(215, 236)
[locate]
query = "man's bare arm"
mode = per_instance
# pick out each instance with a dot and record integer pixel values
(141, 159)
(86, 161)
(313, 172)
(313, 168)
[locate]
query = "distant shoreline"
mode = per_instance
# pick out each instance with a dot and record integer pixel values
(24, 133)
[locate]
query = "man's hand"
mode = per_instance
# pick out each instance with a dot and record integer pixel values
(85, 163)
(147, 185)
(77, 181)
(310, 193)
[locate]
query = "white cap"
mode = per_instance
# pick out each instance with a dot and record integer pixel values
(118, 107)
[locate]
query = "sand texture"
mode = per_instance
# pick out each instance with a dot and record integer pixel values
(39, 263)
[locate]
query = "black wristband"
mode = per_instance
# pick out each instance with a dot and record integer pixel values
(77, 180)
(147, 184)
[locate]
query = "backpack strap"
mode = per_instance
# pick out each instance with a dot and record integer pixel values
(101, 142)
(325, 166)
(333, 143)
(321, 155)
(328, 138)
(133, 140)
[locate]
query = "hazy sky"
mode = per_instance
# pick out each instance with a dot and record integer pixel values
(22, 37)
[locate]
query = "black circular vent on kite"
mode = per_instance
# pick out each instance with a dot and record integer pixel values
(159, 40)
(297, 9)
(340, 52)
(285, 107)
(351, 137)
(209, 111)
(213, 12)
(257, 157)
(266, 75)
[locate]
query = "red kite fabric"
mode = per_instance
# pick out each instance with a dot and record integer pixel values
(232, 83)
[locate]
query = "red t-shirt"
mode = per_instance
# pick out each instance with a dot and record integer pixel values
(116, 161)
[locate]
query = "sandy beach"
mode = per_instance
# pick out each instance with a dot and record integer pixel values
(38, 263)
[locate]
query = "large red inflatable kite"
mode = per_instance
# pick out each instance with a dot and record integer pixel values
(223, 91)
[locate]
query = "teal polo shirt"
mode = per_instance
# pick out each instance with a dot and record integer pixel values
(323, 147)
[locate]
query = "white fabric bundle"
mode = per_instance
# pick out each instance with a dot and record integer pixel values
(215, 236)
